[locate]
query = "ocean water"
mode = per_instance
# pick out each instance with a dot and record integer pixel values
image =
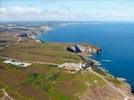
(115, 39)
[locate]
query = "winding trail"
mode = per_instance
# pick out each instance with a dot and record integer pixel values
(111, 85)
(126, 97)
(18, 40)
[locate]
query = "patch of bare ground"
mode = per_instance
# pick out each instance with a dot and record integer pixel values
(4, 95)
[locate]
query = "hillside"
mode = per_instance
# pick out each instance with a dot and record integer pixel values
(43, 80)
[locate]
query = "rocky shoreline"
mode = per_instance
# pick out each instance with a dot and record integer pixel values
(85, 50)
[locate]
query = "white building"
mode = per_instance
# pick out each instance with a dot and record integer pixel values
(71, 66)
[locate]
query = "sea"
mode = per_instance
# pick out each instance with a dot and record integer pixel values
(115, 38)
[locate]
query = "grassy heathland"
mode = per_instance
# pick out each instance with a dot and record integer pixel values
(47, 81)
(44, 52)
(44, 81)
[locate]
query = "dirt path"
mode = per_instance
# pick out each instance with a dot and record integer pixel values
(5, 95)
(111, 85)
(18, 40)
(33, 62)
(38, 62)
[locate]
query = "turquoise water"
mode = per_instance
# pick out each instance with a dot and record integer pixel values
(115, 39)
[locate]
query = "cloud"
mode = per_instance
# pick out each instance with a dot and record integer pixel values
(3, 12)
(27, 13)
(34, 13)
(20, 12)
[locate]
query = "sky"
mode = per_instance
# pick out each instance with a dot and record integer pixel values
(67, 10)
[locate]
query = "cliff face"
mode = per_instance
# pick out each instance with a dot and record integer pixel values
(77, 48)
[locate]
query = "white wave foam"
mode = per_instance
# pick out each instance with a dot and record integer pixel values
(106, 60)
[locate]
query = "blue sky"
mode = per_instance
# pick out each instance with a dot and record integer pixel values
(67, 10)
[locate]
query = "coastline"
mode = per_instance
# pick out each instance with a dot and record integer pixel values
(112, 83)
(98, 67)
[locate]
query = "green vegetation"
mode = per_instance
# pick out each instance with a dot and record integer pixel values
(46, 81)
(42, 80)
(43, 52)
(60, 85)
